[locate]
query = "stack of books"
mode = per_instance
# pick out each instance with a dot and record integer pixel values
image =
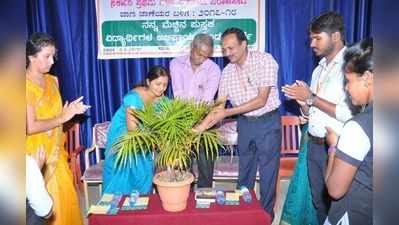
(108, 204)
(204, 197)
(232, 197)
(99, 209)
(140, 204)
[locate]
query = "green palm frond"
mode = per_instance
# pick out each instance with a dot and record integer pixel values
(209, 141)
(129, 145)
(166, 127)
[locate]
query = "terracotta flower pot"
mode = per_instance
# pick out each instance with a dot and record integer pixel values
(173, 195)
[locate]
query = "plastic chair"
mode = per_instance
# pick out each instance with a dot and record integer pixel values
(226, 167)
(94, 173)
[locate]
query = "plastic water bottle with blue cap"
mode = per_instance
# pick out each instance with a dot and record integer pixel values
(134, 195)
(246, 195)
(115, 200)
(220, 199)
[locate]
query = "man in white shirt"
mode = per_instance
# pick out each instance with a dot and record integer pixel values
(39, 203)
(324, 102)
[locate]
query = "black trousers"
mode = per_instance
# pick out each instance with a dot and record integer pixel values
(317, 165)
(259, 145)
(205, 169)
(32, 218)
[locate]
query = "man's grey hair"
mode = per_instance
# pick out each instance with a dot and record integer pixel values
(201, 40)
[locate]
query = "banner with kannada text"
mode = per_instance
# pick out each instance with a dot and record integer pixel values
(165, 28)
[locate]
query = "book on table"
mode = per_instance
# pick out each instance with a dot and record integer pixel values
(205, 195)
(140, 204)
(202, 205)
(108, 204)
(232, 198)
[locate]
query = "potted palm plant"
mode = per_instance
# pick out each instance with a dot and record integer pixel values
(166, 128)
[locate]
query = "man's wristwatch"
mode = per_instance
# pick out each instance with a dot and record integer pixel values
(309, 101)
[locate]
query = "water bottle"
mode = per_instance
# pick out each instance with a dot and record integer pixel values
(115, 200)
(134, 195)
(246, 195)
(220, 199)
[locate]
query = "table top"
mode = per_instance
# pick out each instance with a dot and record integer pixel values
(245, 213)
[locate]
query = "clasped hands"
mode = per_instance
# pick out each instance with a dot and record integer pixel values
(299, 91)
(75, 107)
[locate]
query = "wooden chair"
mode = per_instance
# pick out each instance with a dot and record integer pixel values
(93, 173)
(290, 138)
(290, 145)
(74, 148)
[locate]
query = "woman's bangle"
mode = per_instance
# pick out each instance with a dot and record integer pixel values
(332, 149)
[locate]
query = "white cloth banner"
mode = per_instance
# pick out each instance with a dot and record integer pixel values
(165, 28)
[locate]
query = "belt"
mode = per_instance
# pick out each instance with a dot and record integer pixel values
(317, 140)
(265, 115)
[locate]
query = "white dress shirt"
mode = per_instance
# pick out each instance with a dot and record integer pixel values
(328, 83)
(36, 193)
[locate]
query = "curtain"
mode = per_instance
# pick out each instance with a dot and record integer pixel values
(104, 82)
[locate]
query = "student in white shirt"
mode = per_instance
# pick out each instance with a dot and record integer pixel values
(39, 203)
(324, 101)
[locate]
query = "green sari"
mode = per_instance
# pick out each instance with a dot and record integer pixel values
(298, 207)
